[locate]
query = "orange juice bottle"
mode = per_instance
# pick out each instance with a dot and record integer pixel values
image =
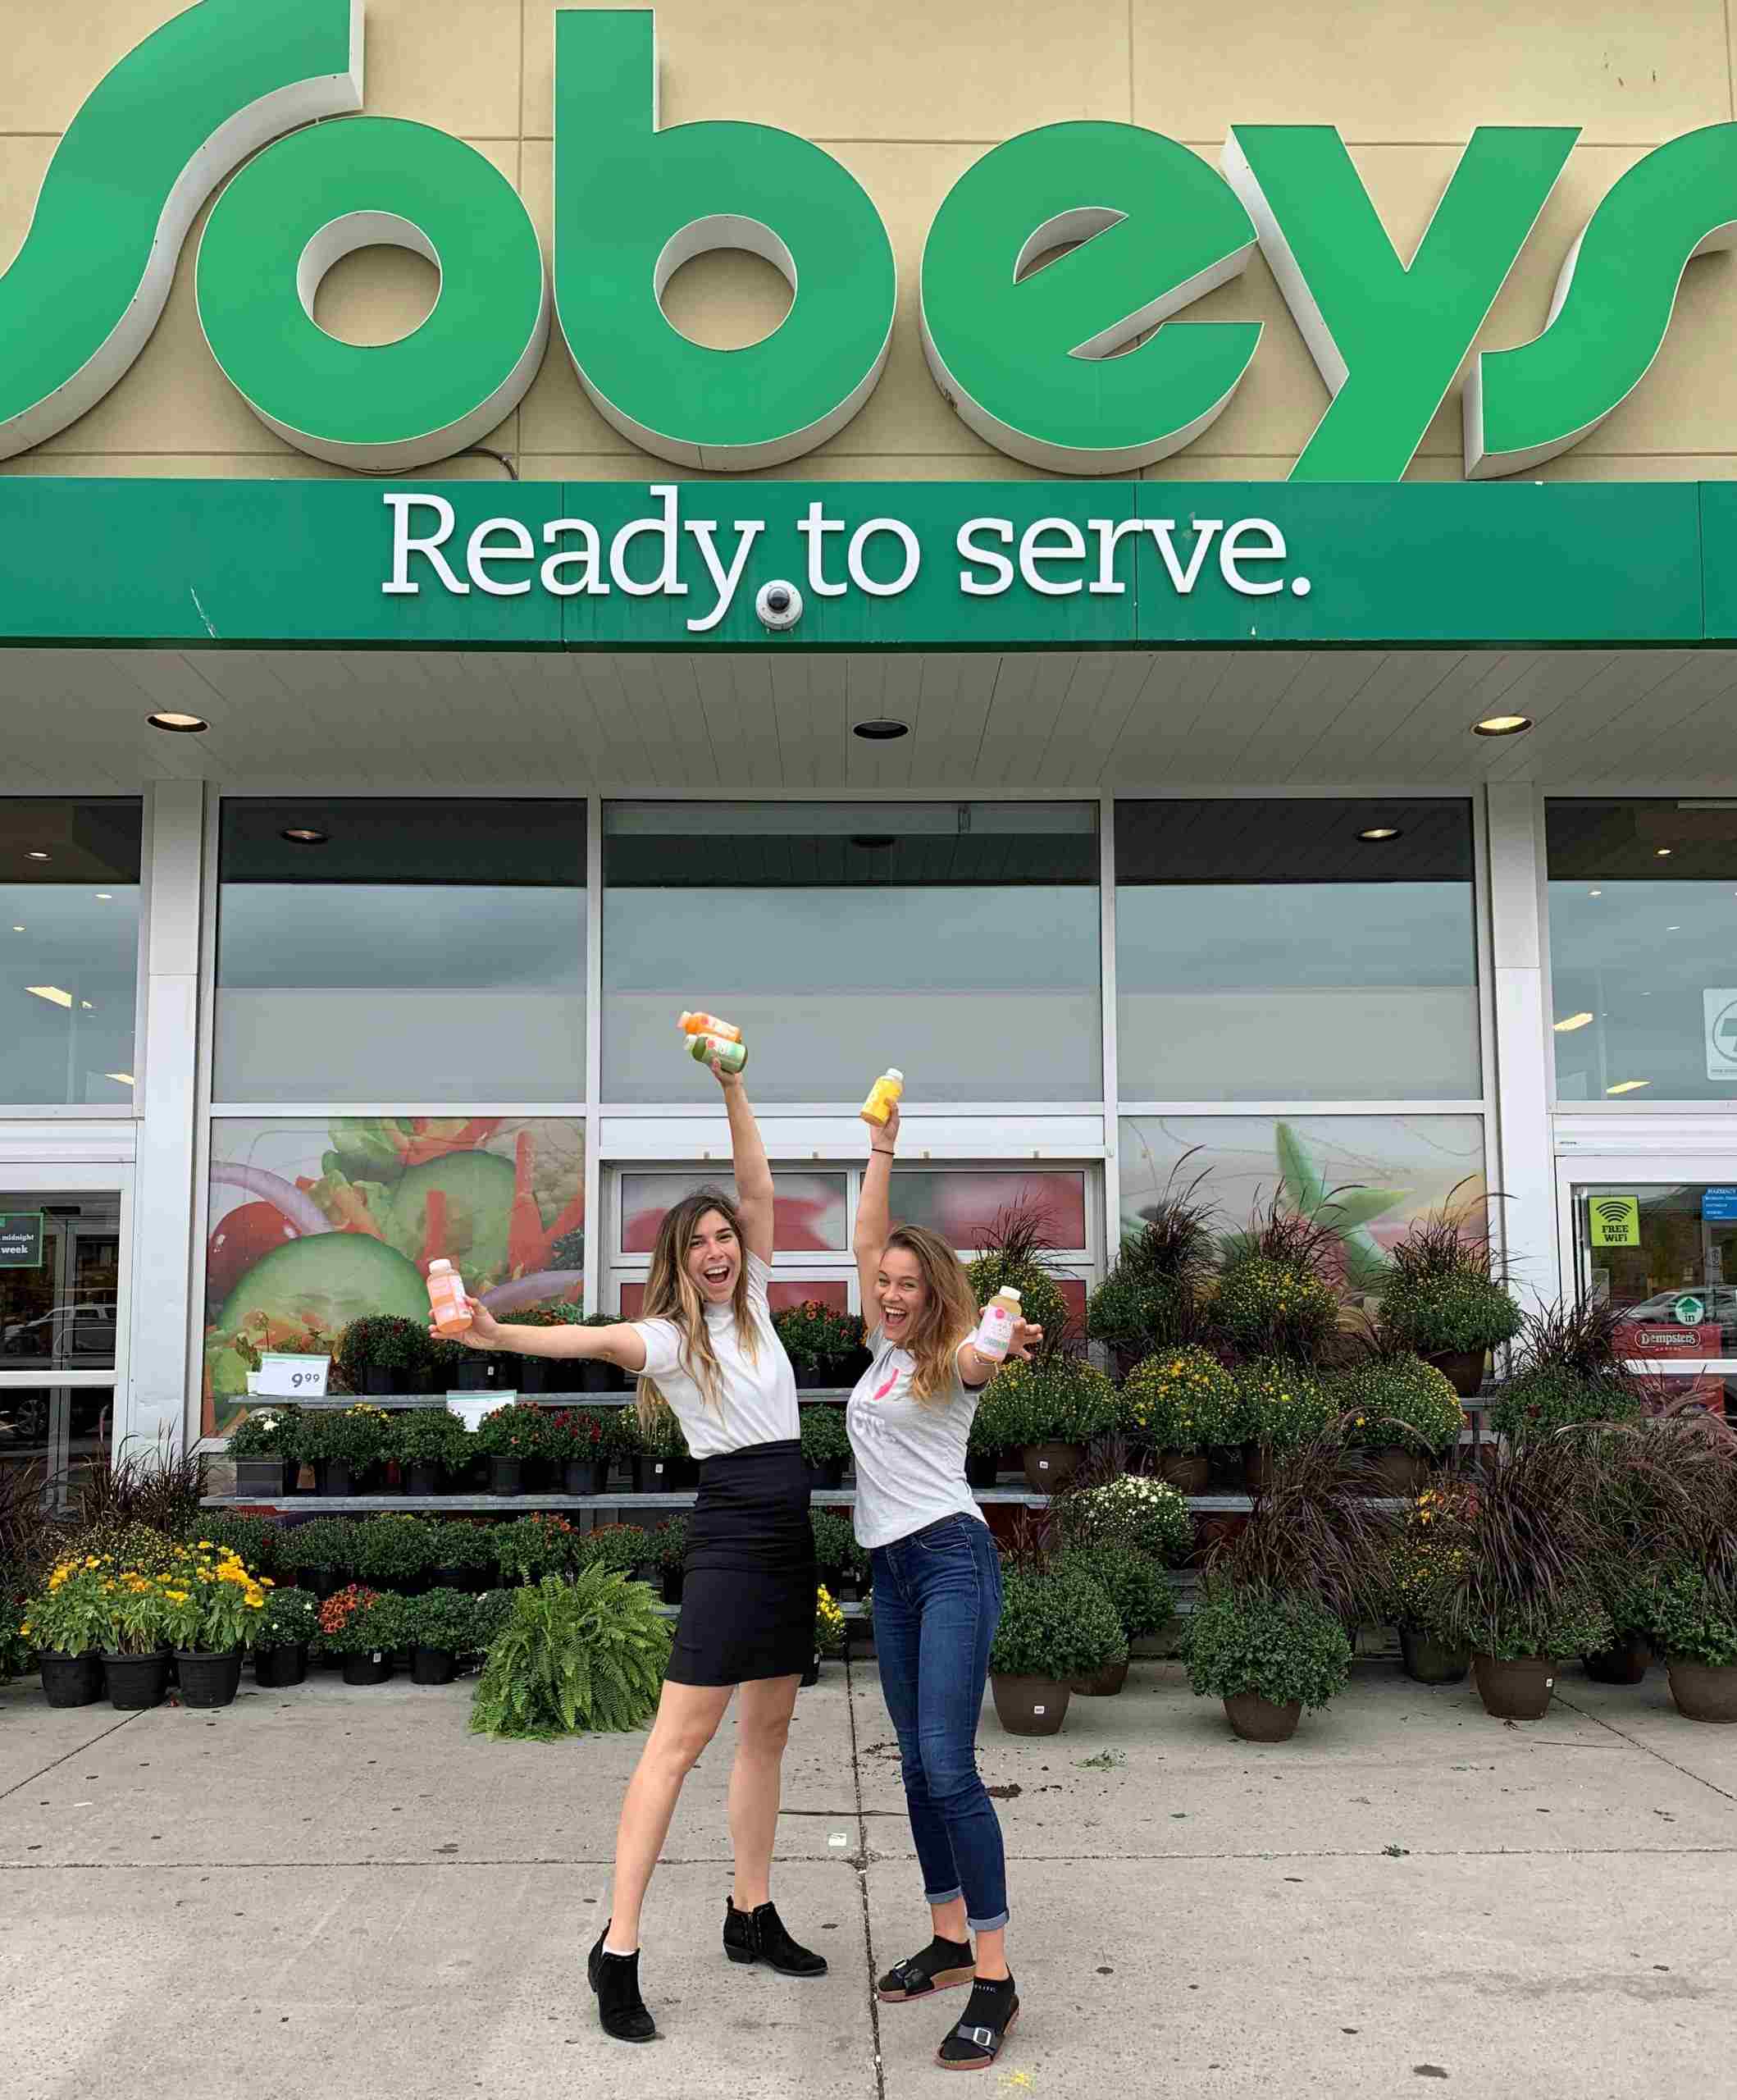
(708, 1024)
(881, 1096)
(447, 1299)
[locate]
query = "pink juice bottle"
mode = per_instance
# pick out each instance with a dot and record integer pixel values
(447, 1299)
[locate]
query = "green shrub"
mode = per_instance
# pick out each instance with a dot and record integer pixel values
(1057, 1623)
(1510, 1629)
(1282, 1405)
(579, 1433)
(457, 1543)
(1041, 1300)
(1059, 1399)
(290, 1619)
(444, 1620)
(1129, 1312)
(662, 1438)
(1428, 1561)
(1143, 1515)
(572, 1657)
(254, 1539)
(1462, 1310)
(619, 1547)
(389, 1552)
(531, 1547)
(321, 1544)
(824, 1436)
(835, 1550)
(669, 1543)
(358, 1620)
(494, 1608)
(435, 1436)
(270, 1431)
(15, 1645)
(357, 1436)
(994, 1420)
(381, 1341)
(815, 1336)
(1399, 1399)
(1267, 1307)
(1548, 1397)
(1181, 1400)
(1694, 1619)
(1134, 1583)
(513, 1431)
(1282, 1648)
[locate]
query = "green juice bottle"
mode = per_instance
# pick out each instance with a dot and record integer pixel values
(730, 1057)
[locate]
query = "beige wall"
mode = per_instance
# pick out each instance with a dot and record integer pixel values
(907, 93)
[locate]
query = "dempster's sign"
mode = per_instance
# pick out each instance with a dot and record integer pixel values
(1026, 358)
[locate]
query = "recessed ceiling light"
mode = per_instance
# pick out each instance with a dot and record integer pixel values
(105, 897)
(122, 1079)
(51, 993)
(881, 730)
(178, 724)
(34, 854)
(1379, 833)
(1673, 929)
(1665, 852)
(303, 834)
(1627, 1086)
(1501, 725)
(873, 842)
(1574, 1021)
(17, 930)
(1599, 893)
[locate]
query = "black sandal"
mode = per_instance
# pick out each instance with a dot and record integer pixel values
(989, 2018)
(944, 1965)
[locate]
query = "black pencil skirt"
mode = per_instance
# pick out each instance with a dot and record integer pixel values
(748, 1587)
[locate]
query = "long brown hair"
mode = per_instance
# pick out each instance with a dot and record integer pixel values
(949, 1313)
(671, 1293)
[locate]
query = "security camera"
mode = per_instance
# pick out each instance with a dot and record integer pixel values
(778, 604)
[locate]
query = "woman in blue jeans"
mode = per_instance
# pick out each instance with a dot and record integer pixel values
(937, 1598)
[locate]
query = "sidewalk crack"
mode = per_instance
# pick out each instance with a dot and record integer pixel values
(1635, 1742)
(863, 1858)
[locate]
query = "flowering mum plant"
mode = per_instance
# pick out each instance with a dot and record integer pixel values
(1181, 1400)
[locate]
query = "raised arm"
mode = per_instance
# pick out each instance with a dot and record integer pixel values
(753, 1174)
(874, 1211)
(621, 1345)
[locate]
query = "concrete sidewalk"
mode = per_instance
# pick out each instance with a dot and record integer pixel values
(340, 1892)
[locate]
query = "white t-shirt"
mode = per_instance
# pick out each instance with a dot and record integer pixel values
(756, 1398)
(910, 1454)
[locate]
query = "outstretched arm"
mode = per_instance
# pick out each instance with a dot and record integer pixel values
(621, 1344)
(753, 1173)
(875, 1212)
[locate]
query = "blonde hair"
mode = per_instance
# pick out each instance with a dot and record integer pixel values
(671, 1293)
(949, 1315)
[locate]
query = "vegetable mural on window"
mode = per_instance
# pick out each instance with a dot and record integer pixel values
(314, 1226)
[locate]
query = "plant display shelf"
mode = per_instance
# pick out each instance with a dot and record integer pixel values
(836, 1394)
(509, 1505)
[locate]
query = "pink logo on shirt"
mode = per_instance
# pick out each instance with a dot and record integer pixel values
(887, 1387)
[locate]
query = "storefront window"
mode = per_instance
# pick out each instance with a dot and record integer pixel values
(401, 951)
(958, 941)
(1372, 1177)
(69, 952)
(965, 1205)
(1663, 1254)
(1644, 949)
(809, 1210)
(314, 1223)
(1296, 950)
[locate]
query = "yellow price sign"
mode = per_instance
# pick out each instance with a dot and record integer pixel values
(1615, 1221)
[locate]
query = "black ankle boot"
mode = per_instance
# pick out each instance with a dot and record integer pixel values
(759, 1935)
(615, 1978)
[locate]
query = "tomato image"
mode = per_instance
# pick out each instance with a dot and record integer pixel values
(246, 1235)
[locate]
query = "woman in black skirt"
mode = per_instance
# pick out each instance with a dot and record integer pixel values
(706, 1349)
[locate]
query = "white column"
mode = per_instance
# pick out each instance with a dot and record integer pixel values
(163, 1389)
(1522, 1091)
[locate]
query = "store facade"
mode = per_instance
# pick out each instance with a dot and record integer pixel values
(460, 608)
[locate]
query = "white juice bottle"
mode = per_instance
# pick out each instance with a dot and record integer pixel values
(995, 1329)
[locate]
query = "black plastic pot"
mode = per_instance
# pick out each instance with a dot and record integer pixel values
(260, 1477)
(672, 1580)
(208, 1679)
(1626, 1663)
(71, 1680)
(582, 1477)
(426, 1476)
(337, 1476)
(829, 1473)
(475, 1373)
(136, 1682)
(322, 1583)
(432, 1665)
(597, 1376)
(279, 1667)
(506, 1475)
(530, 1374)
(982, 1472)
(664, 1476)
(452, 1578)
(373, 1669)
(1429, 1661)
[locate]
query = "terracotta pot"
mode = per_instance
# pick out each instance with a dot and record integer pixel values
(1189, 1470)
(1258, 1468)
(1050, 1467)
(1256, 1719)
(1101, 1684)
(1626, 1663)
(1518, 1691)
(1427, 1661)
(1030, 1705)
(1704, 1691)
(1398, 1470)
(1463, 1368)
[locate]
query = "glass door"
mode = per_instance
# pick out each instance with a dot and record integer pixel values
(1656, 1240)
(61, 1325)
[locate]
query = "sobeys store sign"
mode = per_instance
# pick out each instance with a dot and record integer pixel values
(1028, 360)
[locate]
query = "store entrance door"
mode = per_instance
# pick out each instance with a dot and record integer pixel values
(1659, 1244)
(63, 1322)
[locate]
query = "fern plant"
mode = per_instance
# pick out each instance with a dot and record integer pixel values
(572, 1658)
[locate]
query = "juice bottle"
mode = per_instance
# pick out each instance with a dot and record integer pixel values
(730, 1055)
(994, 1330)
(882, 1094)
(446, 1298)
(708, 1024)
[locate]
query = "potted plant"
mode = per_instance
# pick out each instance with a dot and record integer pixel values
(510, 1436)
(623, 1549)
(289, 1622)
(435, 1449)
(1143, 1515)
(263, 1447)
(1133, 1317)
(382, 1353)
(531, 1547)
(254, 1539)
(821, 1344)
(842, 1562)
(829, 1633)
(463, 1554)
(1011, 1256)
(1176, 1405)
(67, 1623)
(317, 1551)
(1267, 1655)
(1427, 1563)
(569, 1657)
(393, 1552)
(669, 1550)
(440, 1627)
(212, 1610)
(826, 1444)
(1135, 1584)
(994, 1432)
(135, 1657)
(1444, 1301)
(1404, 1413)
(1284, 1405)
(1694, 1623)
(578, 1441)
(658, 1453)
(548, 1374)
(1541, 1399)
(595, 1374)
(363, 1627)
(1056, 1625)
(1054, 1406)
(347, 1444)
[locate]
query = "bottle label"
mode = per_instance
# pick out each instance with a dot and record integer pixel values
(994, 1332)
